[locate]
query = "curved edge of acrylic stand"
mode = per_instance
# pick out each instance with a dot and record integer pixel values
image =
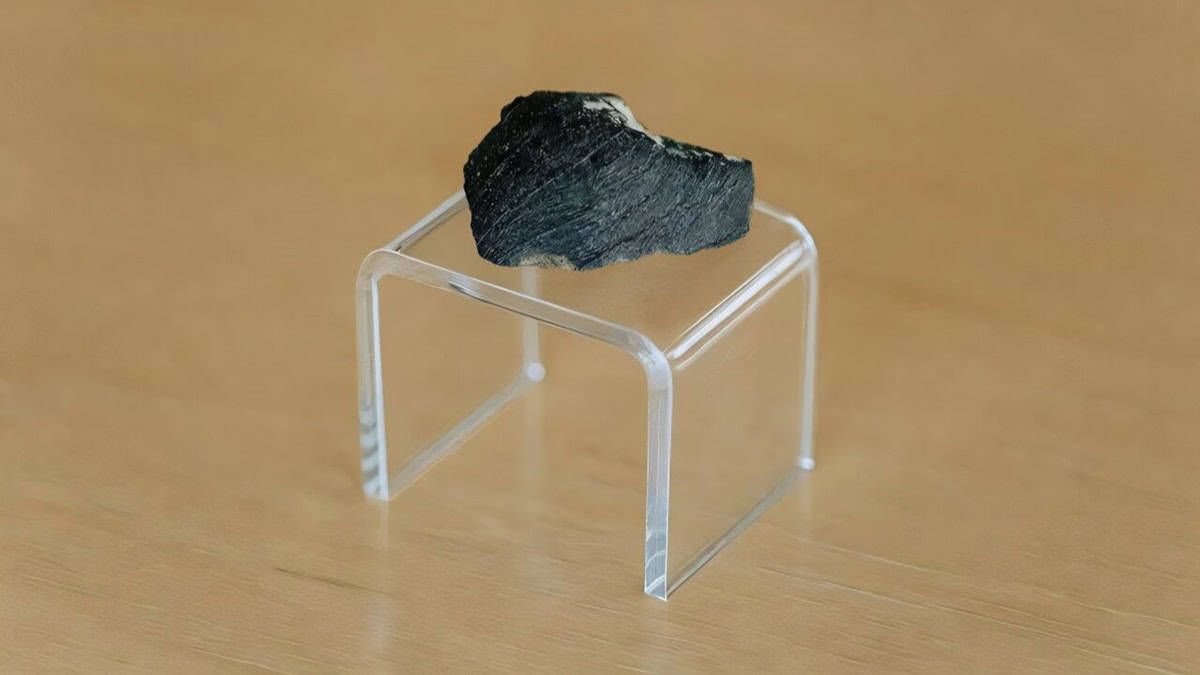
(658, 366)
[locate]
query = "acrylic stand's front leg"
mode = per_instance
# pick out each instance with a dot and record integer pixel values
(372, 433)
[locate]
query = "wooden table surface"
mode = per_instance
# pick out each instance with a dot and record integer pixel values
(1007, 200)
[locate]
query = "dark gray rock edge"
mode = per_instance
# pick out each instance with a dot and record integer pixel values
(569, 179)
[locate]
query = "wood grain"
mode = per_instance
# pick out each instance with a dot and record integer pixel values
(1006, 199)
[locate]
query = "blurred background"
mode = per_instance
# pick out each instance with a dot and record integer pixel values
(1005, 197)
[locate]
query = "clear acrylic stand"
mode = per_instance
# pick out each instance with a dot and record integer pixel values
(726, 339)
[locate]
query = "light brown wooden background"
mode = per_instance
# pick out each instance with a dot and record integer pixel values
(1006, 199)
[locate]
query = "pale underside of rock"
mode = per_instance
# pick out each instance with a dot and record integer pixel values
(572, 180)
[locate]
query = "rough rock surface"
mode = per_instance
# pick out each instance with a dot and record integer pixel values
(569, 179)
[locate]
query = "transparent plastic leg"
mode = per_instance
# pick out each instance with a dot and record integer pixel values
(726, 341)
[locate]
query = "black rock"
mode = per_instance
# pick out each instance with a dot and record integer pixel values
(568, 179)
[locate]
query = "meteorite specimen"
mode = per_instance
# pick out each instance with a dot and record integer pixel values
(569, 179)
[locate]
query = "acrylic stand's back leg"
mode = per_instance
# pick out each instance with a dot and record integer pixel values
(531, 352)
(808, 397)
(378, 480)
(531, 371)
(457, 435)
